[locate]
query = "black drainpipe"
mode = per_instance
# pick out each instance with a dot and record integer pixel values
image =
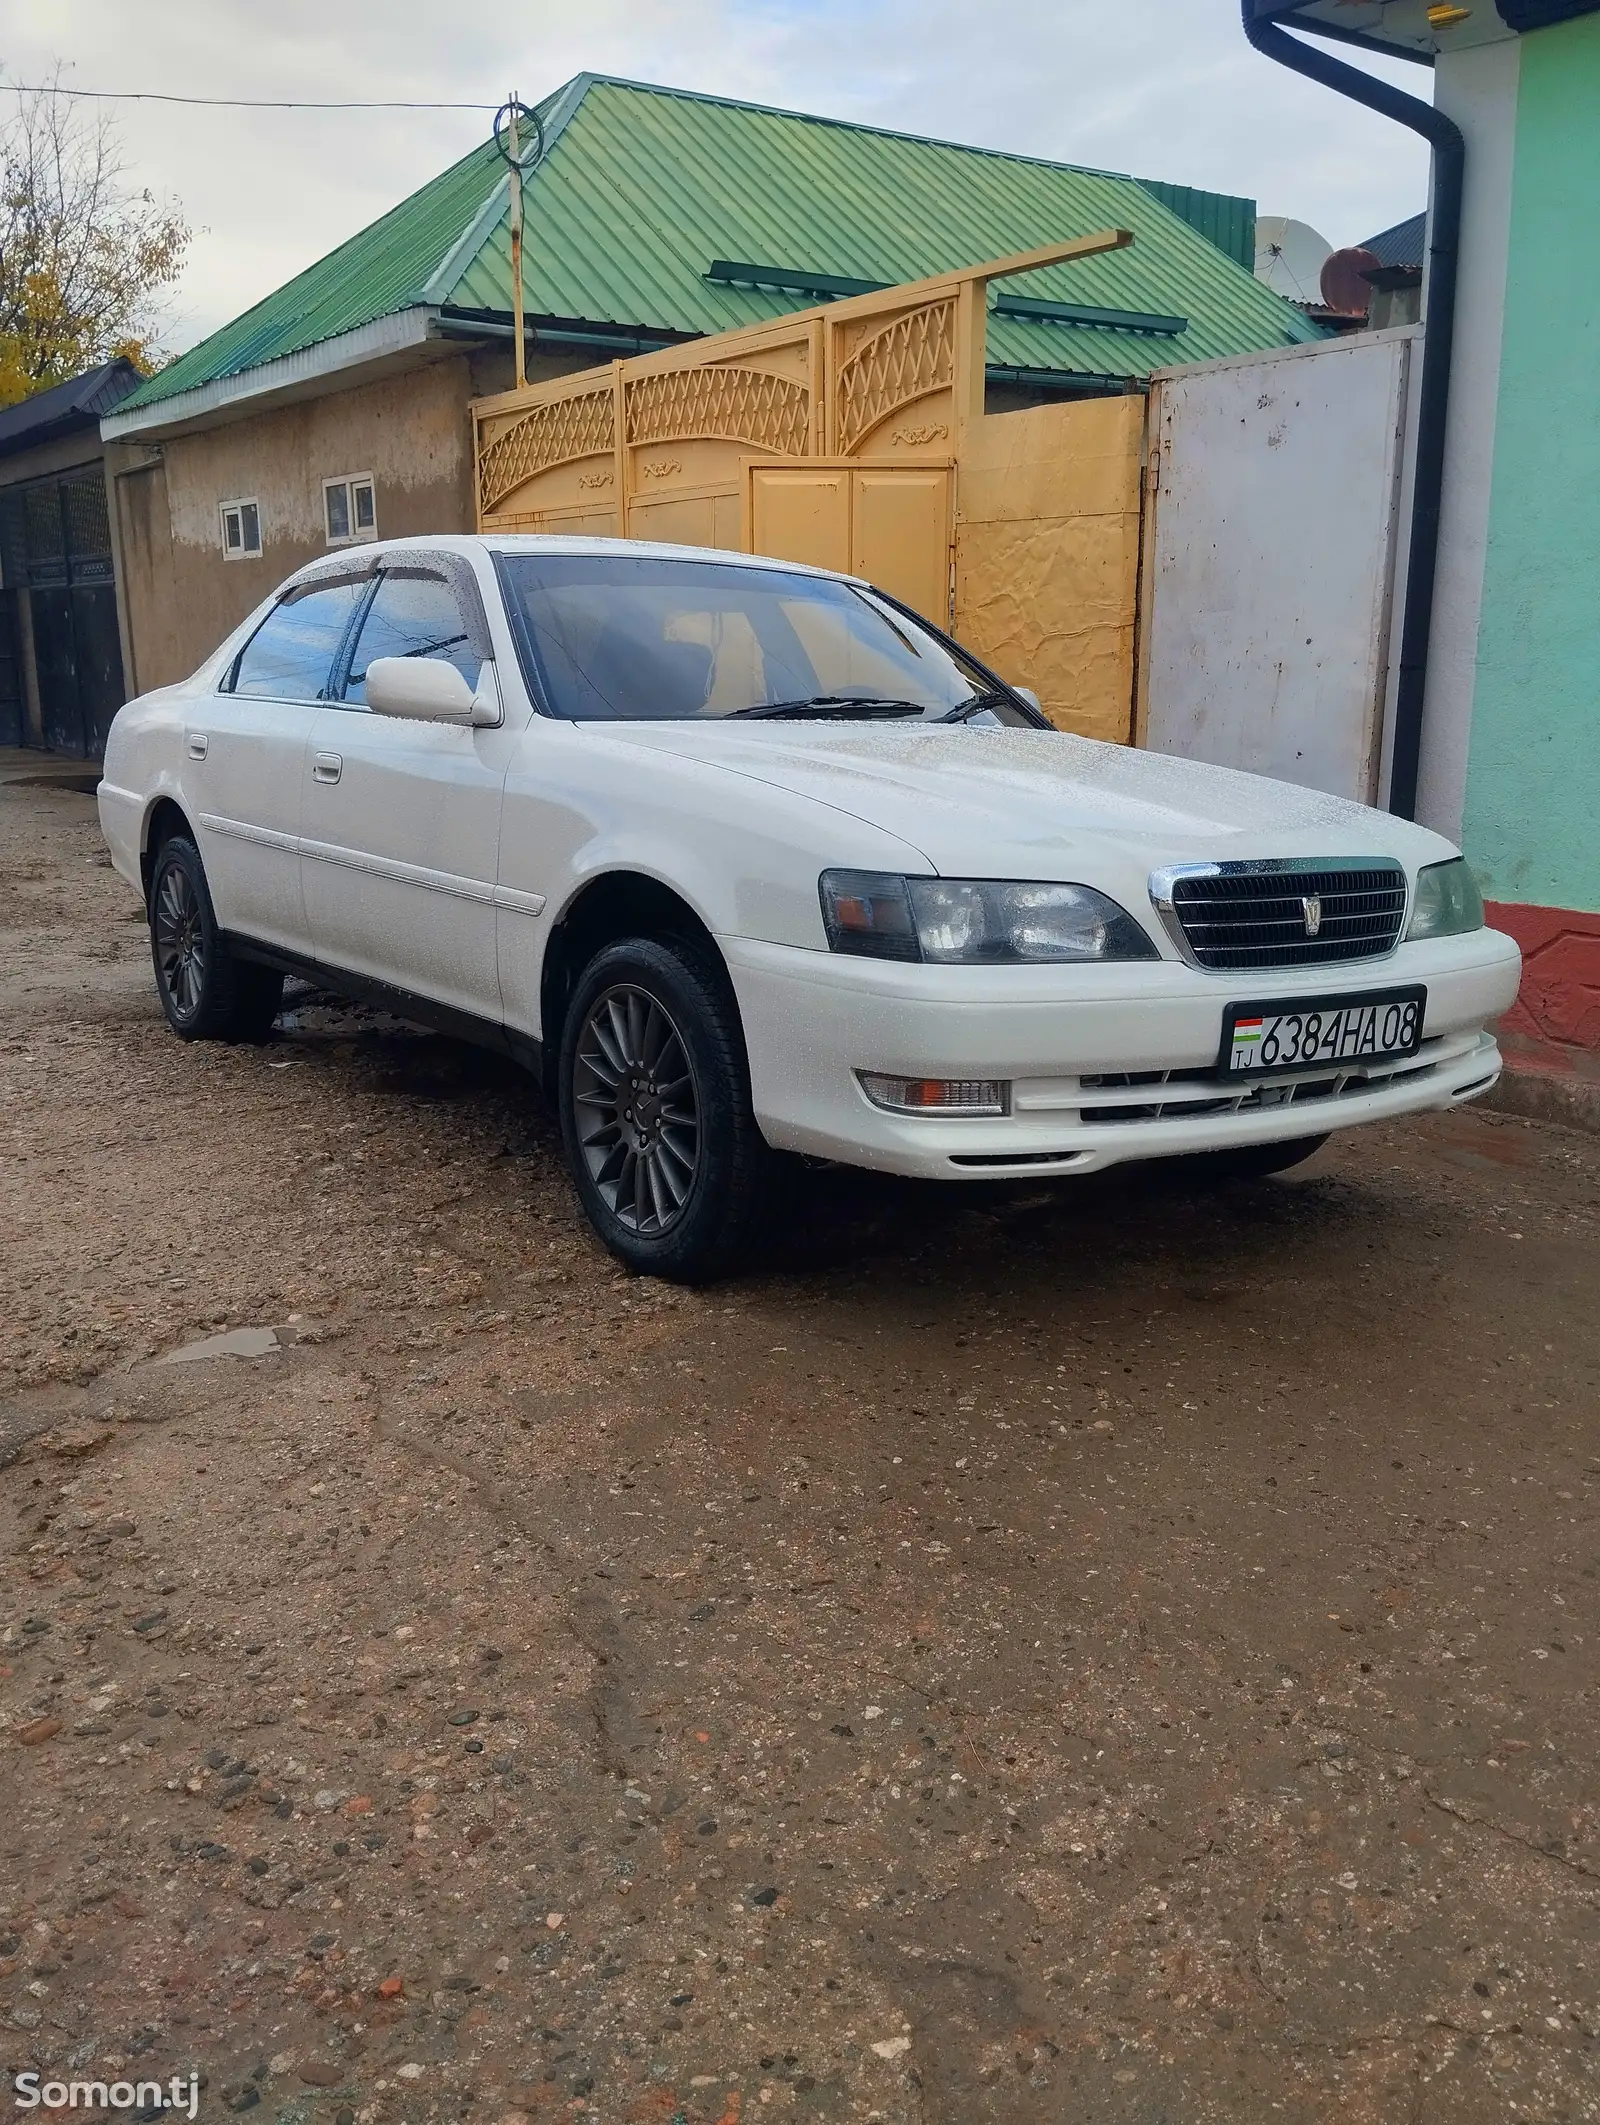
(1444, 248)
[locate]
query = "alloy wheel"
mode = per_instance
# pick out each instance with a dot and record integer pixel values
(638, 1110)
(180, 940)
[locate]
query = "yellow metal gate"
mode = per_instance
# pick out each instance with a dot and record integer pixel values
(891, 524)
(854, 437)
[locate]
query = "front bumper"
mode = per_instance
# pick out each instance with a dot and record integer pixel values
(1068, 1039)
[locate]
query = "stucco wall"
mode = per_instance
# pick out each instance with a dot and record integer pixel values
(1534, 769)
(410, 431)
(1047, 555)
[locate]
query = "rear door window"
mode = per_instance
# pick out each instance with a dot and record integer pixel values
(290, 656)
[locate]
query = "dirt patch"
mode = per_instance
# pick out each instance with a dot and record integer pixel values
(1114, 1653)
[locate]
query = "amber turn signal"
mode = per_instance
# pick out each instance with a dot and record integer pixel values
(937, 1095)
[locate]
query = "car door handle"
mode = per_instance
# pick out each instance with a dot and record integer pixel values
(198, 742)
(327, 767)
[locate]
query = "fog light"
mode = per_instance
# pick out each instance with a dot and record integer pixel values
(937, 1095)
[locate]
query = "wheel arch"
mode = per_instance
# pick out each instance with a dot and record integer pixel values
(165, 818)
(612, 904)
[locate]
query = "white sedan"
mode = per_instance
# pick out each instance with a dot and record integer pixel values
(744, 860)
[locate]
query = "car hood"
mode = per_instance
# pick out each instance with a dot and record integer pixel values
(1040, 804)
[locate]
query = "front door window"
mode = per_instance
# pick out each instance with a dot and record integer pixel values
(290, 655)
(411, 616)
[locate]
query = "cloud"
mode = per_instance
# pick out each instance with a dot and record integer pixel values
(1160, 88)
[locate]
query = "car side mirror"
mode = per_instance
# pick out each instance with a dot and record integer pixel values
(427, 690)
(1026, 693)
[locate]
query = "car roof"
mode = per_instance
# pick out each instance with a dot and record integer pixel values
(515, 542)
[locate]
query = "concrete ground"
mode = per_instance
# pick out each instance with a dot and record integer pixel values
(1123, 1652)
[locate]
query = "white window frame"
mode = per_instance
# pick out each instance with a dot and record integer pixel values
(240, 503)
(358, 534)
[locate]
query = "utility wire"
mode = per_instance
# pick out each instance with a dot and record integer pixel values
(230, 103)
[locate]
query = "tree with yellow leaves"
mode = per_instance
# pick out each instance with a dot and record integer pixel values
(84, 254)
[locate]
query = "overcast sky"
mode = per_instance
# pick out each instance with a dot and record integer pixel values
(1157, 88)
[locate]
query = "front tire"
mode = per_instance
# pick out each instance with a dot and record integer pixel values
(206, 992)
(654, 1096)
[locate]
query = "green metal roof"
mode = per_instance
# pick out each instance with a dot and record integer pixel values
(642, 188)
(382, 269)
(1229, 222)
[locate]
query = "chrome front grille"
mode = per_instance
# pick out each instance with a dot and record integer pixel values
(1243, 917)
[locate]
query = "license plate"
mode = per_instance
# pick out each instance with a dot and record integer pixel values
(1385, 1025)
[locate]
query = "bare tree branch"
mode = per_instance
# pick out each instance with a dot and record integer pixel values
(85, 256)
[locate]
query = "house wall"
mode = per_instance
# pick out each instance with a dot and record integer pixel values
(411, 431)
(1534, 763)
(1478, 89)
(1535, 759)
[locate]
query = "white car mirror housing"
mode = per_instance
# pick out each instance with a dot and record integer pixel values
(1026, 693)
(488, 710)
(427, 690)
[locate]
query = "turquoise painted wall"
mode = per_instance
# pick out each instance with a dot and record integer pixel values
(1532, 826)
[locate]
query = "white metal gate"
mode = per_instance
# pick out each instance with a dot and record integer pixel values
(1269, 560)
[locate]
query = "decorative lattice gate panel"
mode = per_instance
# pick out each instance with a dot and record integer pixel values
(854, 435)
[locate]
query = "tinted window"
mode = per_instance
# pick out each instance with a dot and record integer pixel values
(411, 616)
(290, 655)
(615, 636)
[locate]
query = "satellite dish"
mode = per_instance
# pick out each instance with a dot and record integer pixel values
(1346, 289)
(1290, 257)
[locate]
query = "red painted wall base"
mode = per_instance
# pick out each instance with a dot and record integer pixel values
(1554, 1025)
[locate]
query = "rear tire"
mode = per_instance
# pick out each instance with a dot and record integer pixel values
(206, 991)
(653, 1090)
(1253, 1162)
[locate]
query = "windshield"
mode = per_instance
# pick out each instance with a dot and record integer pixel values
(634, 638)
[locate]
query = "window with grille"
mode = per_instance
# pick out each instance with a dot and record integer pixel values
(241, 530)
(350, 508)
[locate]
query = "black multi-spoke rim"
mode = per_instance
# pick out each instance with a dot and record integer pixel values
(180, 940)
(638, 1110)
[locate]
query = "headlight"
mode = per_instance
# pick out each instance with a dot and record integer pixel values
(975, 921)
(1448, 901)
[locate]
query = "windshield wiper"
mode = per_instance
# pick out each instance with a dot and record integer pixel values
(995, 697)
(831, 705)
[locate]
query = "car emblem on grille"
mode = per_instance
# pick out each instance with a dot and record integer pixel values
(1311, 909)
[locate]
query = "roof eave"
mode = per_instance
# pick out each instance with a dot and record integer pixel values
(1402, 29)
(1294, 14)
(401, 333)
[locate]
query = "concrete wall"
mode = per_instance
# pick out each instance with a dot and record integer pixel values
(1478, 89)
(1534, 771)
(409, 430)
